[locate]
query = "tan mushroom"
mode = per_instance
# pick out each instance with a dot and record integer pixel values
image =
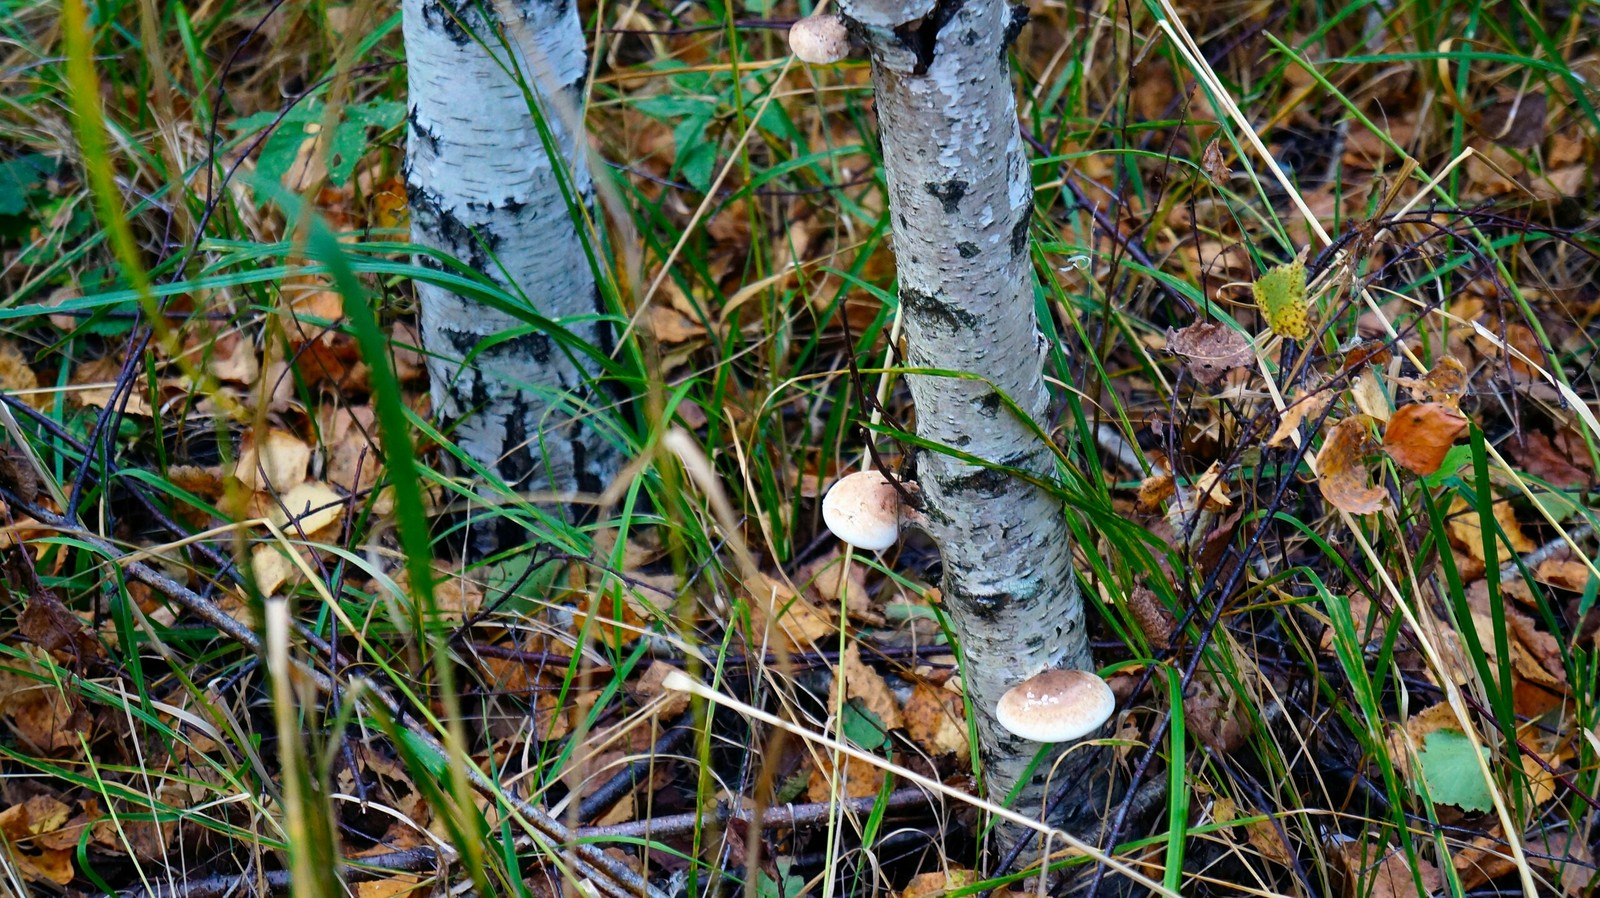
(863, 509)
(820, 40)
(1056, 706)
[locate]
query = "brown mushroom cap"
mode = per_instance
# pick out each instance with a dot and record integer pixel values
(1056, 706)
(863, 509)
(820, 40)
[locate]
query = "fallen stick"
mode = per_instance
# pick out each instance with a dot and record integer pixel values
(609, 875)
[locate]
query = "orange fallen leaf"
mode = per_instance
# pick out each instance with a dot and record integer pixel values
(936, 720)
(864, 683)
(939, 882)
(1419, 435)
(1371, 871)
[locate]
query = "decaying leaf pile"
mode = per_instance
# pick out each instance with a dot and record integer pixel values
(1327, 427)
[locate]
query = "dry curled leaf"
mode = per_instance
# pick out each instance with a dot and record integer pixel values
(1210, 350)
(1211, 489)
(939, 883)
(1517, 121)
(1216, 714)
(864, 683)
(1464, 526)
(1419, 435)
(1304, 405)
(1370, 870)
(1445, 383)
(1156, 489)
(48, 624)
(1561, 461)
(1216, 167)
(1367, 352)
(936, 720)
(1342, 473)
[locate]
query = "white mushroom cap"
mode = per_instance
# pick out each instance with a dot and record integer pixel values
(863, 509)
(820, 40)
(1056, 706)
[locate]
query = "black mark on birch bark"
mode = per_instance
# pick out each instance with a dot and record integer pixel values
(480, 389)
(988, 405)
(516, 453)
(442, 228)
(449, 18)
(948, 194)
(461, 341)
(967, 249)
(1014, 24)
(935, 311)
(922, 37)
(535, 346)
(983, 482)
(419, 131)
(1019, 233)
(588, 481)
(984, 606)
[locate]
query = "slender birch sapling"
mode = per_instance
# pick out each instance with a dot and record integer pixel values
(960, 200)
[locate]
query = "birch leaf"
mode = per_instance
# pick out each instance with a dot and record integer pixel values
(1420, 435)
(1281, 296)
(1445, 383)
(1452, 772)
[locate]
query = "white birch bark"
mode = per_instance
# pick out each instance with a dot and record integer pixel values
(960, 200)
(483, 190)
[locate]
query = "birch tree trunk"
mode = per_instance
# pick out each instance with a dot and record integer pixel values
(483, 190)
(960, 200)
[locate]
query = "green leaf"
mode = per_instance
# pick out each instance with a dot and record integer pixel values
(22, 177)
(697, 157)
(350, 137)
(669, 108)
(791, 886)
(1452, 772)
(1457, 458)
(862, 727)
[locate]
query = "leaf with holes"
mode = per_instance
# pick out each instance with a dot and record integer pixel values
(1210, 350)
(1281, 296)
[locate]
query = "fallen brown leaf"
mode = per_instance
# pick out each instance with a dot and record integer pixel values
(862, 682)
(1342, 473)
(1465, 527)
(1211, 350)
(1304, 405)
(1445, 383)
(277, 460)
(1374, 871)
